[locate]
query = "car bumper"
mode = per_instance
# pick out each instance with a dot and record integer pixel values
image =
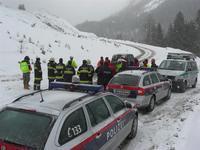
(140, 101)
(176, 85)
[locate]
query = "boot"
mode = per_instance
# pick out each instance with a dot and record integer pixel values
(35, 87)
(26, 86)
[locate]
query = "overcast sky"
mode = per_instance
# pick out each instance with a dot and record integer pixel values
(74, 11)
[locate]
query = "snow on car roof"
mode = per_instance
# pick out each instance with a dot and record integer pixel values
(133, 72)
(53, 100)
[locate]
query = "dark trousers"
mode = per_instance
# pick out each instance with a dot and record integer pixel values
(37, 84)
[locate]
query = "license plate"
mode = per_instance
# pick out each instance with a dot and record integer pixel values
(121, 92)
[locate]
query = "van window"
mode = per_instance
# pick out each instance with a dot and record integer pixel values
(98, 111)
(74, 125)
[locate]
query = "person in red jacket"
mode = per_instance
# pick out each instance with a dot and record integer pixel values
(101, 61)
(110, 65)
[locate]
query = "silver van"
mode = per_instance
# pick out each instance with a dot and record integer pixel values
(182, 69)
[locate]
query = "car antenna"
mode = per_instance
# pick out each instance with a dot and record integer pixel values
(42, 99)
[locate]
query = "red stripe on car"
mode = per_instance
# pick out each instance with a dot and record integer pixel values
(82, 144)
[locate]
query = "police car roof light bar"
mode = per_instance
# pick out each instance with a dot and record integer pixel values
(92, 89)
(181, 56)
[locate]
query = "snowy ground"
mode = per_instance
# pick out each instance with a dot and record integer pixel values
(172, 125)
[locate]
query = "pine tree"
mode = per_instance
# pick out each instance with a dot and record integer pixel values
(159, 39)
(169, 36)
(179, 31)
(190, 36)
(197, 42)
(150, 30)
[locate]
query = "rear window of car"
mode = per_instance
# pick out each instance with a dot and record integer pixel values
(116, 57)
(25, 128)
(125, 79)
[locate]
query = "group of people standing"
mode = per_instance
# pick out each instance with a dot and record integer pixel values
(62, 72)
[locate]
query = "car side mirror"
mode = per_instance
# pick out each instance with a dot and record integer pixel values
(128, 105)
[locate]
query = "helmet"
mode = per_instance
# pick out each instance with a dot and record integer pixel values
(60, 60)
(75, 79)
(88, 62)
(37, 58)
(26, 58)
(71, 57)
(84, 61)
(51, 59)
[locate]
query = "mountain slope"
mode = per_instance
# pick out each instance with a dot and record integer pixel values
(129, 23)
(44, 35)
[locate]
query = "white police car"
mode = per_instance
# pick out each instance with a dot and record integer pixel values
(143, 87)
(59, 119)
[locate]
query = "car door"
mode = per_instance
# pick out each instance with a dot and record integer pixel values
(123, 119)
(101, 123)
(157, 86)
(188, 74)
(194, 74)
(74, 133)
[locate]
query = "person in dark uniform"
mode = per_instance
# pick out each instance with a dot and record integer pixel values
(84, 72)
(91, 74)
(153, 64)
(99, 82)
(104, 74)
(60, 67)
(51, 70)
(69, 72)
(37, 74)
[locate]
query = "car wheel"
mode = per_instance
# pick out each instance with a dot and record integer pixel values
(183, 87)
(151, 106)
(169, 93)
(195, 84)
(134, 128)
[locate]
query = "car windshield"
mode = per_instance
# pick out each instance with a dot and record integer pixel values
(125, 79)
(20, 127)
(173, 65)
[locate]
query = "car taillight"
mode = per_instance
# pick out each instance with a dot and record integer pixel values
(109, 89)
(141, 91)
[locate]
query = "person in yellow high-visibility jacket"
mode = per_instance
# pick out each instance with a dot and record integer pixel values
(25, 67)
(74, 64)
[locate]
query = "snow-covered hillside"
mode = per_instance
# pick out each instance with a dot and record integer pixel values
(44, 35)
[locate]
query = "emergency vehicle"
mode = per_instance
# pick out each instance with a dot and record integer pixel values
(67, 116)
(182, 69)
(144, 87)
